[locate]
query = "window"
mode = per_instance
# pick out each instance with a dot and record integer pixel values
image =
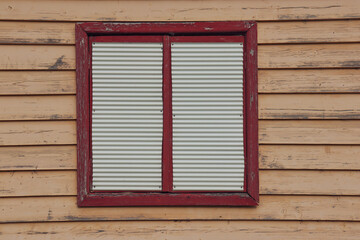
(167, 114)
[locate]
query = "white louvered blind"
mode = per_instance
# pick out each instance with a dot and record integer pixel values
(207, 83)
(127, 116)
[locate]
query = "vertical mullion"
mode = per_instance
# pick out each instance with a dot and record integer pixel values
(167, 167)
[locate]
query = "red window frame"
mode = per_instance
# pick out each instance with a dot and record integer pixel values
(187, 31)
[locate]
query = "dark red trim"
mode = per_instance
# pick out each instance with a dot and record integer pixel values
(238, 27)
(133, 38)
(82, 109)
(246, 30)
(167, 166)
(207, 39)
(252, 167)
(168, 199)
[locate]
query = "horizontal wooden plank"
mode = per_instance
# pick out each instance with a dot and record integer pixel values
(268, 32)
(330, 157)
(309, 132)
(270, 132)
(309, 81)
(38, 209)
(38, 108)
(309, 56)
(270, 56)
(309, 106)
(309, 157)
(184, 10)
(37, 33)
(309, 182)
(37, 82)
(37, 183)
(309, 32)
(37, 133)
(294, 182)
(270, 81)
(271, 106)
(37, 57)
(178, 230)
(37, 158)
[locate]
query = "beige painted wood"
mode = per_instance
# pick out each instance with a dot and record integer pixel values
(309, 132)
(37, 57)
(309, 106)
(37, 108)
(268, 32)
(37, 133)
(37, 33)
(37, 158)
(331, 157)
(37, 82)
(309, 157)
(271, 106)
(309, 56)
(270, 132)
(37, 183)
(270, 56)
(309, 182)
(289, 182)
(40, 209)
(309, 81)
(184, 10)
(172, 230)
(309, 32)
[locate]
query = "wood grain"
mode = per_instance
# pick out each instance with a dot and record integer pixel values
(37, 158)
(39, 209)
(184, 10)
(37, 133)
(309, 81)
(309, 182)
(37, 82)
(271, 106)
(309, 32)
(309, 157)
(309, 106)
(270, 132)
(309, 56)
(37, 57)
(289, 182)
(328, 157)
(268, 32)
(37, 183)
(309, 132)
(37, 33)
(37, 108)
(179, 230)
(270, 56)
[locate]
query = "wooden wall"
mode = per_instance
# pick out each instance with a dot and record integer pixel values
(309, 109)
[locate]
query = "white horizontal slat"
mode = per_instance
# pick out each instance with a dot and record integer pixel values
(127, 116)
(219, 58)
(124, 166)
(128, 188)
(122, 179)
(127, 175)
(208, 152)
(192, 85)
(126, 170)
(122, 147)
(205, 77)
(134, 161)
(206, 45)
(109, 66)
(209, 188)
